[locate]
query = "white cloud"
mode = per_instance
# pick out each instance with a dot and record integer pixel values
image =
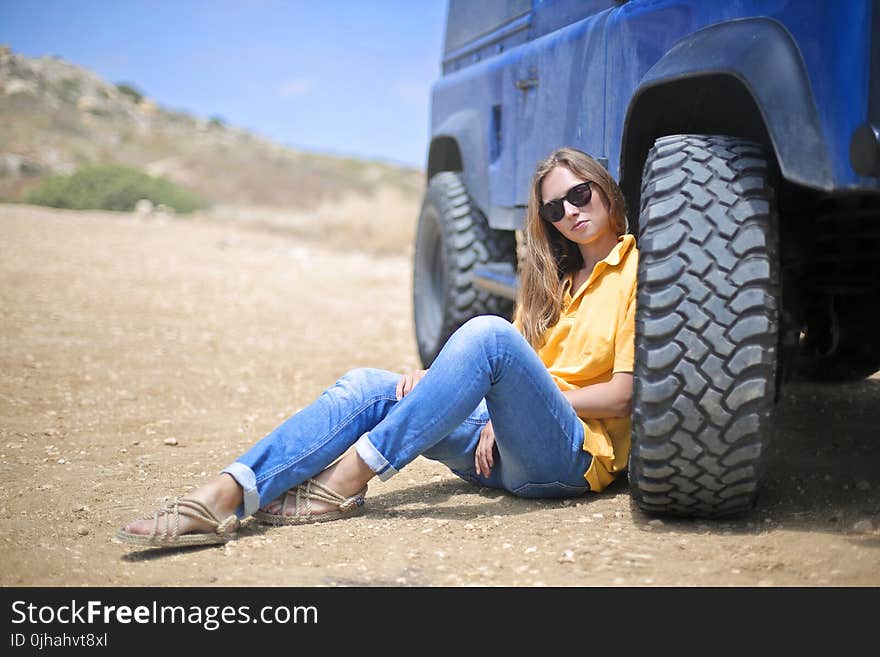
(294, 88)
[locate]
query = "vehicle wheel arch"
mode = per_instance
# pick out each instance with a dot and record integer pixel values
(458, 144)
(444, 154)
(754, 64)
(655, 113)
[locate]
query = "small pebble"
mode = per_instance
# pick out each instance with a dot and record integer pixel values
(656, 522)
(863, 526)
(82, 530)
(170, 441)
(62, 461)
(567, 557)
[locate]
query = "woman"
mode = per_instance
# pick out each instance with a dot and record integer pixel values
(539, 407)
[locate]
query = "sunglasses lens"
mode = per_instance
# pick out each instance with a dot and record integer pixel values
(580, 195)
(552, 211)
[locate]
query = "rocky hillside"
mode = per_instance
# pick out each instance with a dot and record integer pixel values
(55, 117)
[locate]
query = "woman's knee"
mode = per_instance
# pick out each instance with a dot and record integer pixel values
(483, 326)
(368, 381)
(483, 334)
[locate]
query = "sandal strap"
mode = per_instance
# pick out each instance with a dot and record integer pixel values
(304, 493)
(190, 508)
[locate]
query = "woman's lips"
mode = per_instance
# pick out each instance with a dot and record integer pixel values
(580, 224)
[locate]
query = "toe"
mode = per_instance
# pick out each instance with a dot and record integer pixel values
(136, 527)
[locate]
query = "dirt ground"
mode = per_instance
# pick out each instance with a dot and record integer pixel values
(117, 333)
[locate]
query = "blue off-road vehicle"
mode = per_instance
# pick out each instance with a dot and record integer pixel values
(746, 138)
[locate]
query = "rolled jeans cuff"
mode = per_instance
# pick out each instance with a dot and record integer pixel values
(374, 458)
(248, 482)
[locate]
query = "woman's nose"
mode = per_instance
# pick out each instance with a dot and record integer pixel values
(571, 210)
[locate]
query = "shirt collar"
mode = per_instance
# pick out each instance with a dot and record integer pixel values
(624, 244)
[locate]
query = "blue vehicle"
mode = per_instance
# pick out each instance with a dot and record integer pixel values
(746, 138)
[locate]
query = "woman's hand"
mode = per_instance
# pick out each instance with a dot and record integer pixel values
(408, 381)
(483, 458)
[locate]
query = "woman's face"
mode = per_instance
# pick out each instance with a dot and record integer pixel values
(583, 225)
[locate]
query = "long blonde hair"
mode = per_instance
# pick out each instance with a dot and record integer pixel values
(549, 256)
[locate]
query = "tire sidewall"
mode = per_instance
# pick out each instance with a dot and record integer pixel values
(707, 327)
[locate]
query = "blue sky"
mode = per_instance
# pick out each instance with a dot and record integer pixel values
(339, 76)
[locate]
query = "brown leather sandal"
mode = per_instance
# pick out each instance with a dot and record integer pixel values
(224, 530)
(302, 497)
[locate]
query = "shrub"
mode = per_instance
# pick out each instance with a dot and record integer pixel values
(130, 91)
(111, 187)
(71, 88)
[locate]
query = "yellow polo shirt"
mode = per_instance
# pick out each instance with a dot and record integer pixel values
(593, 339)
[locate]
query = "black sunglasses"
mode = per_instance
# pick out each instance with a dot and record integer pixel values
(579, 196)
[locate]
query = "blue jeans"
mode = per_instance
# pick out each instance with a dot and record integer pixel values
(485, 370)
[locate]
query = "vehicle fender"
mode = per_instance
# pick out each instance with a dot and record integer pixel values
(464, 130)
(762, 55)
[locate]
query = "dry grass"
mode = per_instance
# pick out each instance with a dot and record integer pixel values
(245, 176)
(383, 222)
(341, 202)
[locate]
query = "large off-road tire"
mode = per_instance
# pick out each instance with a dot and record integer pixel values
(706, 327)
(453, 238)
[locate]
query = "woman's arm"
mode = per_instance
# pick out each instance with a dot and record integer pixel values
(601, 400)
